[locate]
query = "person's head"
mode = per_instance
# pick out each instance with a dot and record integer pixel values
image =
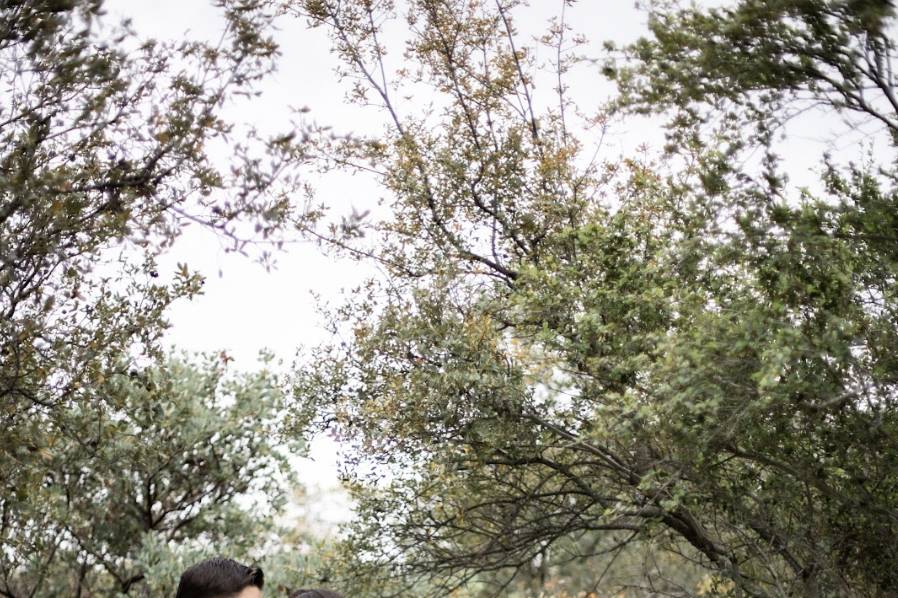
(221, 578)
(314, 594)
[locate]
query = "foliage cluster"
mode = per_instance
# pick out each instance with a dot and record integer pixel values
(567, 359)
(115, 459)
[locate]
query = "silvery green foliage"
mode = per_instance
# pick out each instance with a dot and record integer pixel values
(162, 466)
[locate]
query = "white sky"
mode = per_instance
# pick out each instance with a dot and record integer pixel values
(244, 308)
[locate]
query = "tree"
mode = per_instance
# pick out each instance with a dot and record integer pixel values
(685, 355)
(105, 156)
(769, 61)
(153, 465)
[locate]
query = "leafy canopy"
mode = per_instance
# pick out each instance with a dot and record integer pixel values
(566, 358)
(159, 465)
(106, 143)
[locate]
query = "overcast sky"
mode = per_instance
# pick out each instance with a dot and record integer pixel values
(244, 308)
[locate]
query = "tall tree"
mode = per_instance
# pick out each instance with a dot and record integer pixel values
(105, 155)
(680, 354)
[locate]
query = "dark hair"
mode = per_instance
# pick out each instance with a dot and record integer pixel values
(218, 578)
(315, 594)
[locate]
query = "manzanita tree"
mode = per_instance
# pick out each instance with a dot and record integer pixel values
(565, 358)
